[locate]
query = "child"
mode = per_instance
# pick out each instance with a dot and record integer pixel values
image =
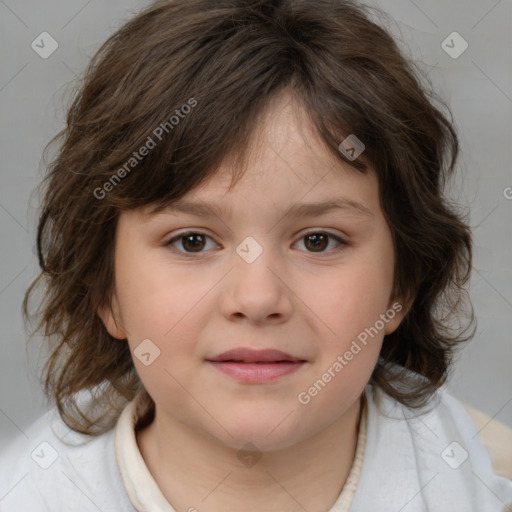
(295, 361)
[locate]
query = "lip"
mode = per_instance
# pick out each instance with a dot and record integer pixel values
(256, 366)
(247, 355)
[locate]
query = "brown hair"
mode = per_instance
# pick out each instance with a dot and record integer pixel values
(226, 60)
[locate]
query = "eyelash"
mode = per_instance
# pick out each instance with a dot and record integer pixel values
(178, 237)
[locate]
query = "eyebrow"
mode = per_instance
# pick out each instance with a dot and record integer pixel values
(298, 210)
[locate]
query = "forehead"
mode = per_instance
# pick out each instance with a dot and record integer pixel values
(288, 166)
(286, 132)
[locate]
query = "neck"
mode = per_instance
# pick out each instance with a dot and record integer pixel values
(195, 472)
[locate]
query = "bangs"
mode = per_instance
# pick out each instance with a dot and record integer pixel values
(180, 91)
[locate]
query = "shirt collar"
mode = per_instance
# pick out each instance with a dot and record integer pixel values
(146, 496)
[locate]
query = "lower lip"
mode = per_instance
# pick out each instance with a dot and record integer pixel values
(254, 373)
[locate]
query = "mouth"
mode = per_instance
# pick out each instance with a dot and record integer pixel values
(245, 355)
(256, 366)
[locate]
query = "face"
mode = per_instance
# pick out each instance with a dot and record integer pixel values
(314, 283)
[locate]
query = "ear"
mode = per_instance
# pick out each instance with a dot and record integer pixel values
(111, 318)
(397, 309)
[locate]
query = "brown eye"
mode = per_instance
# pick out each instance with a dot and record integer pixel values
(189, 243)
(193, 242)
(318, 242)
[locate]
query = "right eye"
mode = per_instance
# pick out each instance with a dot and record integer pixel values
(190, 241)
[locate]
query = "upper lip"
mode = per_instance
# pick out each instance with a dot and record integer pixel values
(246, 355)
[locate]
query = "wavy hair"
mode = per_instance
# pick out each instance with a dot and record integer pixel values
(231, 58)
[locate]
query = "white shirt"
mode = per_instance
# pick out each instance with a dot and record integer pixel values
(404, 462)
(145, 494)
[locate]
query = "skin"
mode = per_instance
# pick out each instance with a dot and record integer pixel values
(311, 304)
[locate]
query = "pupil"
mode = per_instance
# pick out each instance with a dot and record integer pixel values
(195, 246)
(318, 241)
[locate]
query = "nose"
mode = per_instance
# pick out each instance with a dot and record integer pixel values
(257, 292)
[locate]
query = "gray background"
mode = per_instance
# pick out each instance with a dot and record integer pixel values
(34, 93)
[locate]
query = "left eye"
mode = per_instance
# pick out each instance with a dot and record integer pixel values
(194, 242)
(318, 241)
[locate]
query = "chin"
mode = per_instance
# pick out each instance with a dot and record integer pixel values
(265, 433)
(259, 442)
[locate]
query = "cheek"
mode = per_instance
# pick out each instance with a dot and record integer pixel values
(169, 308)
(155, 296)
(351, 299)
(334, 390)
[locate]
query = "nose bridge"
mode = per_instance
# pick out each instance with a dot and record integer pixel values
(254, 261)
(256, 289)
